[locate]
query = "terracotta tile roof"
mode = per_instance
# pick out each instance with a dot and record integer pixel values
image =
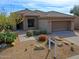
(43, 14)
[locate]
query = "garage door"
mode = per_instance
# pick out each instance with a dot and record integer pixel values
(61, 25)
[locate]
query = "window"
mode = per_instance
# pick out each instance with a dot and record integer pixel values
(31, 23)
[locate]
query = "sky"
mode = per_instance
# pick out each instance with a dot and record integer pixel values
(63, 6)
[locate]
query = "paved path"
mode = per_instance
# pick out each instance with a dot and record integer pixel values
(74, 57)
(22, 36)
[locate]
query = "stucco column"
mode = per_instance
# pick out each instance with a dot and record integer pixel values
(24, 23)
(72, 26)
(50, 26)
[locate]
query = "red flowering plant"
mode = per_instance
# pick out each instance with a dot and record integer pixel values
(42, 38)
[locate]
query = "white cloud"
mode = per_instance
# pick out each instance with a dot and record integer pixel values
(60, 5)
(59, 2)
(49, 3)
(45, 5)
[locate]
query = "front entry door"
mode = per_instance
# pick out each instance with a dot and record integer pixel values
(20, 26)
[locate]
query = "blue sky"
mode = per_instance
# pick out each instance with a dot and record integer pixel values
(63, 6)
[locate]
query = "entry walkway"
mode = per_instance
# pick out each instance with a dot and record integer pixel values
(22, 36)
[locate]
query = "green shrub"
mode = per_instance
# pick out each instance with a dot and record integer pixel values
(10, 37)
(7, 37)
(29, 33)
(36, 32)
(1, 37)
(1, 27)
(43, 32)
(8, 27)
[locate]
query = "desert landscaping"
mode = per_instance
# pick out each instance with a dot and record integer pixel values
(26, 49)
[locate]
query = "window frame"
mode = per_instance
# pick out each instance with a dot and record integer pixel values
(31, 22)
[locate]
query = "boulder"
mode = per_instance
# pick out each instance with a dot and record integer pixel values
(66, 43)
(59, 44)
(58, 38)
(39, 47)
(13, 43)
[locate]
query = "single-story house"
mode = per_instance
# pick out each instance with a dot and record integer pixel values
(50, 21)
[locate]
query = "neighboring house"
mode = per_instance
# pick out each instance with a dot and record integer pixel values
(50, 21)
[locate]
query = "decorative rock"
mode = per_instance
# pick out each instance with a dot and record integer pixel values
(3, 31)
(72, 43)
(72, 49)
(25, 50)
(66, 43)
(3, 45)
(58, 38)
(61, 37)
(39, 47)
(59, 44)
(13, 44)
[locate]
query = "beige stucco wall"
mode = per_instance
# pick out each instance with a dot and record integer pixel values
(76, 23)
(25, 25)
(44, 24)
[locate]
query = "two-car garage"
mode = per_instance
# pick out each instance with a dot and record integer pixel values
(61, 25)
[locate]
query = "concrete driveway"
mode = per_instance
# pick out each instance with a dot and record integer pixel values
(74, 57)
(69, 35)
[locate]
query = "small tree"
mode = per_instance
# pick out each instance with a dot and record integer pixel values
(75, 10)
(16, 17)
(2, 18)
(5, 22)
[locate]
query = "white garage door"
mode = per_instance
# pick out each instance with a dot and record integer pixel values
(61, 25)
